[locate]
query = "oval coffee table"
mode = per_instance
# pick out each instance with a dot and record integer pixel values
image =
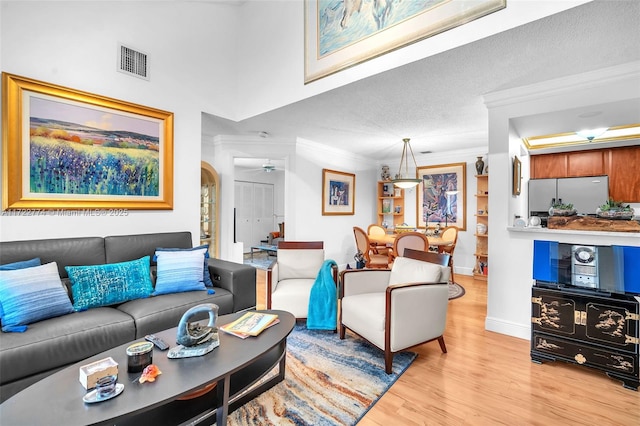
(235, 366)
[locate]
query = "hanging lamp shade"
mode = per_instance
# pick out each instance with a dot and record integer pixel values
(402, 180)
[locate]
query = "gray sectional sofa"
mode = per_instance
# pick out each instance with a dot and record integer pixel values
(54, 343)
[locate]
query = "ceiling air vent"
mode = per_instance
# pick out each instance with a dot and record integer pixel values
(133, 62)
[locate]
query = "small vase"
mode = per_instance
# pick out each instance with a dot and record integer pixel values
(479, 166)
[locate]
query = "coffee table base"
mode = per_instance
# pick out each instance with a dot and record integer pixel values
(232, 392)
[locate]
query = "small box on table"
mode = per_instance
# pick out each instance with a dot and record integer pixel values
(91, 373)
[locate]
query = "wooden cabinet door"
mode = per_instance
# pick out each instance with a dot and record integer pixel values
(624, 179)
(548, 166)
(585, 163)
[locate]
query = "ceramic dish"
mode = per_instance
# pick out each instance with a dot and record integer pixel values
(92, 396)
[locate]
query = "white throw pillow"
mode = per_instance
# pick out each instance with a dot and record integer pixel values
(406, 270)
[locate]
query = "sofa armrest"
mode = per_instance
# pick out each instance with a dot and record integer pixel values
(358, 281)
(237, 278)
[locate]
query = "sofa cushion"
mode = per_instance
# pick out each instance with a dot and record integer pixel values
(63, 251)
(120, 248)
(63, 340)
(406, 270)
(21, 264)
(162, 312)
(110, 284)
(31, 294)
(179, 271)
(204, 249)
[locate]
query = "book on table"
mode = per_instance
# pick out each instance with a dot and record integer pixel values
(250, 324)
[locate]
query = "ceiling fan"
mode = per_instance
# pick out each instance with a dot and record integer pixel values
(268, 167)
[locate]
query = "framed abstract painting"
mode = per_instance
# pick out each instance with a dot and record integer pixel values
(68, 149)
(441, 196)
(341, 34)
(338, 193)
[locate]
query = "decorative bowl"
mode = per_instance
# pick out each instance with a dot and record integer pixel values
(615, 214)
(562, 212)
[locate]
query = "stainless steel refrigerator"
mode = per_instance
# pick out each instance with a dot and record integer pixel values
(585, 193)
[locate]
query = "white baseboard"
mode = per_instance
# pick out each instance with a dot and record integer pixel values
(521, 331)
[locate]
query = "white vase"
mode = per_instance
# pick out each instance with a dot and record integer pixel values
(481, 228)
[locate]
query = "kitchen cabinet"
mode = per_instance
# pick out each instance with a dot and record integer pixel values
(589, 329)
(620, 164)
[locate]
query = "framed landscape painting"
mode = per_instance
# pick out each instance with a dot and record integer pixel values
(67, 149)
(338, 193)
(341, 34)
(441, 196)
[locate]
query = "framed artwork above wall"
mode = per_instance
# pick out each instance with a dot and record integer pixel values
(68, 149)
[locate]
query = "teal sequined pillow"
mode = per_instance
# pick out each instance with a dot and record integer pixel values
(109, 284)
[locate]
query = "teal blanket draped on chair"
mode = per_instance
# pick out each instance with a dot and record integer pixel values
(323, 308)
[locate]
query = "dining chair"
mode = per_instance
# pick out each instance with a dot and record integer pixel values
(377, 247)
(371, 259)
(414, 240)
(450, 233)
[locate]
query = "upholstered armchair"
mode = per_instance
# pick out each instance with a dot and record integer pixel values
(399, 308)
(291, 276)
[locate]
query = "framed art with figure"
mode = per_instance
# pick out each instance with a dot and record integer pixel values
(341, 34)
(441, 196)
(338, 193)
(68, 149)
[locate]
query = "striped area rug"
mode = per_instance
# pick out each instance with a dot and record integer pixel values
(328, 381)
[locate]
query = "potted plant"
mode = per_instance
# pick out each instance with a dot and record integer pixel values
(562, 209)
(615, 210)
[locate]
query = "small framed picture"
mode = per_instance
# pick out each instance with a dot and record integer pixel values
(398, 192)
(338, 193)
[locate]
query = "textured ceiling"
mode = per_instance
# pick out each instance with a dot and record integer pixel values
(438, 101)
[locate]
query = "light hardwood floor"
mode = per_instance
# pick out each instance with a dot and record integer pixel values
(488, 378)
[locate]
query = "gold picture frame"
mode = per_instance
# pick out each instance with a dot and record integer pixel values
(338, 193)
(68, 149)
(441, 196)
(351, 32)
(517, 176)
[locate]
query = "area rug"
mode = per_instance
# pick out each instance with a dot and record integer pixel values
(328, 382)
(455, 291)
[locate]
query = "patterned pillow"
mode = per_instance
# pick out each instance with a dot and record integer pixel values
(206, 276)
(31, 294)
(21, 264)
(109, 284)
(179, 271)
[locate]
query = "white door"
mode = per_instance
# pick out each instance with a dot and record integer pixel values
(254, 206)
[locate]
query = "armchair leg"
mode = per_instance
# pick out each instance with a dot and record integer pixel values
(443, 347)
(341, 327)
(388, 361)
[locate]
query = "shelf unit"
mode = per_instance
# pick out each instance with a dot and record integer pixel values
(481, 269)
(390, 204)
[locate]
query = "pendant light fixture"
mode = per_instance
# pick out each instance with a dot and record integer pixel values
(403, 180)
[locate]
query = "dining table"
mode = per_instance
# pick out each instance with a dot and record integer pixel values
(388, 239)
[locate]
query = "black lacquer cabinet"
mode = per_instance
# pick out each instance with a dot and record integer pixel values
(594, 330)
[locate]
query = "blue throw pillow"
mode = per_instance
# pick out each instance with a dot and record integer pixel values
(179, 271)
(205, 249)
(21, 264)
(103, 285)
(31, 294)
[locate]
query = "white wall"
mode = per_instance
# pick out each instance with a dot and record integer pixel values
(511, 251)
(272, 41)
(304, 161)
(75, 44)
